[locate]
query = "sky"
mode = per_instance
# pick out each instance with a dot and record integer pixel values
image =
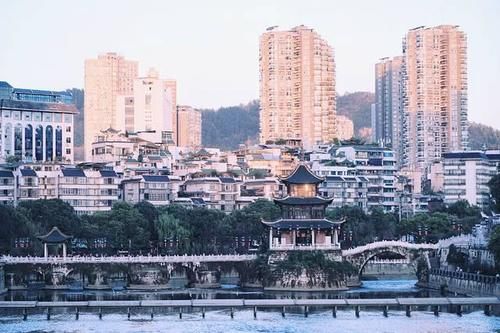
(211, 47)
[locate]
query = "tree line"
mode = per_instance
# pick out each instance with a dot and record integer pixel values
(144, 228)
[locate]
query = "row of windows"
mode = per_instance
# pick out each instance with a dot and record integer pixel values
(42, 140)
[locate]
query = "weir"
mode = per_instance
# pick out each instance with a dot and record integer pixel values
(409, 304)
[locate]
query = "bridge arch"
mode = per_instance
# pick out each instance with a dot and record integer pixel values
(361, 255)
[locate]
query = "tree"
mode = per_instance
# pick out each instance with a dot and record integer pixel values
(457, 258)
(46, 214)
(357, 229)
(126, 227)
(14, 225)
(494, 185)
(170, 228)
(494, 245)
(383, 223)
(150, 213)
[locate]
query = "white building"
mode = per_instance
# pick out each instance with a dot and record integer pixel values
(466, 175)
(149, 110)
(364, 176)
(35, 131)
(155, 189)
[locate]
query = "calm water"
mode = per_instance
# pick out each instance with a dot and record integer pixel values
(319, 320)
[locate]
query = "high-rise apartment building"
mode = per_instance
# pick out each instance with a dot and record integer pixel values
(171, 85)
(434, 94)
(148, 110)
(297, 86)
(106, 77)
(188, 127)
(388, 103)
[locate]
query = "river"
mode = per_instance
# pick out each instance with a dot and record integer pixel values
(319, 320)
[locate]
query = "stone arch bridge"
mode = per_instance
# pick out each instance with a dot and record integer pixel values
(361, 255)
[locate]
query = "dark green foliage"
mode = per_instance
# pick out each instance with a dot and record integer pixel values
(483, 136)
(360, 228)
(457, 257)
(494, 245)
(50, 213)
(494, 185)
(227, 127)
(150, 213)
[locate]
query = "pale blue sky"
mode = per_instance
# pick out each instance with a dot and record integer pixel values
(211, 47)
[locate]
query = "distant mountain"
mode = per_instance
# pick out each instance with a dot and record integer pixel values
(227, 127)
(483, 136)
(357, 107)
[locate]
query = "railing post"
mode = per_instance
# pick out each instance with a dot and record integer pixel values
(180, 312)
(306, 311)
(283, 312)
(128, 313)
(254, 312)
(203, 312)
(25, 314)
(487, 310)
(334, 311)
(459, 310)
(386, 311)
(232, 312)
(436, 310)
(48, 313)
(408, 310)
(152, 313)
(356, 311)
(100, 313)
(77, 313)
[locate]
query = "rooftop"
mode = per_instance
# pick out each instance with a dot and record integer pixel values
(303, 224)
(302, 175)
(54, 236)
(14, 105)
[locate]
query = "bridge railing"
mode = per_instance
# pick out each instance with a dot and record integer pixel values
(466, 276)
(382, 244)
(127, 259)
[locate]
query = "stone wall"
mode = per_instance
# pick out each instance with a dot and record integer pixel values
(464, 283)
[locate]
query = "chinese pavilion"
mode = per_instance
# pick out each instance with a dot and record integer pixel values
(56, 238)
(303, 225)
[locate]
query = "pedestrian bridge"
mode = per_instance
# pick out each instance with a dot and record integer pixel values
(10, 260)
(359, 256)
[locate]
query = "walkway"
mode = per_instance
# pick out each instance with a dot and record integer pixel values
(9, 260)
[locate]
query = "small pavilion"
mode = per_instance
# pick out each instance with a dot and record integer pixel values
(54, 237)
(303, 225)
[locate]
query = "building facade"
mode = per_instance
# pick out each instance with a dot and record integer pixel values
(148, 110)
(466, 176)
(297, 87)
(435, 94)
(388, 103)
(36, 131)
(106, 77)
(188, 127)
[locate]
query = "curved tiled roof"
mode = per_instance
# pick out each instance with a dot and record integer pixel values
(54, 236)
(302, 175)
(303, 201)
(303, 223)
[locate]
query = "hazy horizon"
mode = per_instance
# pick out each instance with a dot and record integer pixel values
(211, 48)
